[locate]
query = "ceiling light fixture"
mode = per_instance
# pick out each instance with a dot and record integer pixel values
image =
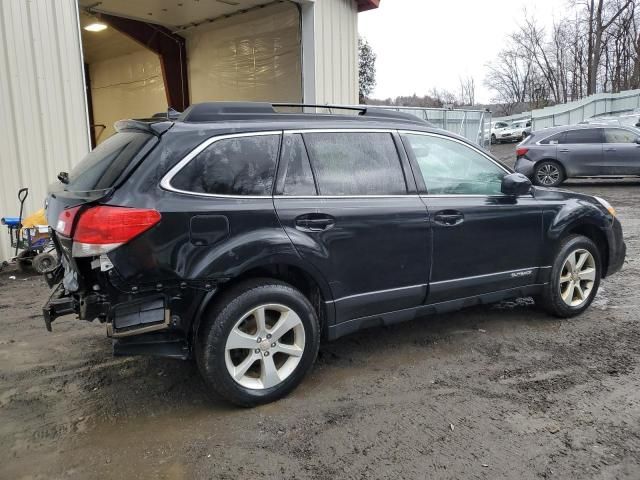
(95, 27)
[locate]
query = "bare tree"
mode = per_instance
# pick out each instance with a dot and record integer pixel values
(467, 91)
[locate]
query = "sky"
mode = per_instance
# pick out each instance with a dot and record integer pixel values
(421, 44)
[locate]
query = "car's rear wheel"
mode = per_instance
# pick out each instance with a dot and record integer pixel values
(258, 342)
(575, 278)
(493, 139)
(548, 174)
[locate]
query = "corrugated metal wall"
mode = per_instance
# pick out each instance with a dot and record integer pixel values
(336, 54)
(43, 123)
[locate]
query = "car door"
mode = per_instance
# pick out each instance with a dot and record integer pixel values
(351, 212)
(621, 154)
(483, 241)
(580, 152)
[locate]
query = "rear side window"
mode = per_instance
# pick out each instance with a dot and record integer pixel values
(350, 163)
(618, 135)
(583, 135)
(232, 166)
(101, 167)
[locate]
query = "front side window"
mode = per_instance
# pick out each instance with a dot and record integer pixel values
(232, 166)
(355, 163)
(452, 168)
(618, 135)
(583, 135)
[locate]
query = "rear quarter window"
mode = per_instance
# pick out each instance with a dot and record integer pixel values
(101, 167)
(232, 166)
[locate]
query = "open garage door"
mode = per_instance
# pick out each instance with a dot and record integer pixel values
(250, 54)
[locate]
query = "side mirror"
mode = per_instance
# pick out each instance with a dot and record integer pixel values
(637, 140)
(515, 184)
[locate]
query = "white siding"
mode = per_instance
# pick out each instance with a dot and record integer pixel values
(336, 51)
(43, 123)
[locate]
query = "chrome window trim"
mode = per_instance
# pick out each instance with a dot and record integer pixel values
(165, 183)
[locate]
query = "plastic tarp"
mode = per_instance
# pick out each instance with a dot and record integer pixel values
(128, 86)
(254, 56)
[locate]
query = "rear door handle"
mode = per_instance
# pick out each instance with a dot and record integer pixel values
(314, 222)
(448, 218)
(610, 149)
(564, 150)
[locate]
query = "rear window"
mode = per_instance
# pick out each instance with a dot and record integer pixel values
(232, 166)
(101, 167)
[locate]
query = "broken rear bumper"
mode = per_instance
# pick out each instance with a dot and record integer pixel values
(59, 304)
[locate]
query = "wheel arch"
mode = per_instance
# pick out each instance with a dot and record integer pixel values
(597, 236)
(290, 271)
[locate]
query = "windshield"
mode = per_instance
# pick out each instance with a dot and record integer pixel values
(101, 167)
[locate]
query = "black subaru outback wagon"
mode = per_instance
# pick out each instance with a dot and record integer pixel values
(241, 236)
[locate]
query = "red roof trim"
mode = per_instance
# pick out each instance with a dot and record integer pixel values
(367, 5)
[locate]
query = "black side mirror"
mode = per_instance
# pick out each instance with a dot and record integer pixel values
(515, 184)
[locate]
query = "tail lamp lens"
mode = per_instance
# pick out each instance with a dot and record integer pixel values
(102, 228)
(521, 152)
(65, 221)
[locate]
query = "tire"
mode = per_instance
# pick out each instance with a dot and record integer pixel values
(557, 297)
(493, 139)
(548, 174)
(234, 318)
(43, 262)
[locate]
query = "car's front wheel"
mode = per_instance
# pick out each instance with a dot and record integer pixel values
(548, 174)
(575, 278)
(257, 343)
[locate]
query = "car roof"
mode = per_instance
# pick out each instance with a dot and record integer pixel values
(565, 128)
(217, 118)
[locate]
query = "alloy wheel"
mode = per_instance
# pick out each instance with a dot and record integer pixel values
(577, 277)
(548, 174)
(265, 346)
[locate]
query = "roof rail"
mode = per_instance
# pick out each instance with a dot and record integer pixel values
(215, 111)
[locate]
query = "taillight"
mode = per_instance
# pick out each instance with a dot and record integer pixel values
(65, 221)
(101, 229)
(521, 152)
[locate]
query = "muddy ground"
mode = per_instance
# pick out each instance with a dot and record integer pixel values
(494, 392)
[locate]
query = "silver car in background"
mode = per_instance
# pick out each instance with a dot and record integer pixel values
(550, 156)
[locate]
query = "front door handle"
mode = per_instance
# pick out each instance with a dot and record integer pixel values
(314, 222)
(448, 218)
(564, 150)
(610, 149)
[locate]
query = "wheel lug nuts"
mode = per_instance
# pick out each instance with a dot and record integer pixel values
(273, 345)
(259, 339)
(268, 335)
(257, 350)
(266, 354)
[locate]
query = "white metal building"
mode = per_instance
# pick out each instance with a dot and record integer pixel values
(62, 86)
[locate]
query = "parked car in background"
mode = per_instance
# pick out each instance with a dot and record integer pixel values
(239, 236)
(496, 129)
(548, 157)
(515, 132)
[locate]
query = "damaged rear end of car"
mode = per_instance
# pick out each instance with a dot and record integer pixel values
(90, 218)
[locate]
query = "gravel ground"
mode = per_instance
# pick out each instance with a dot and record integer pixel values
(494, 392)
